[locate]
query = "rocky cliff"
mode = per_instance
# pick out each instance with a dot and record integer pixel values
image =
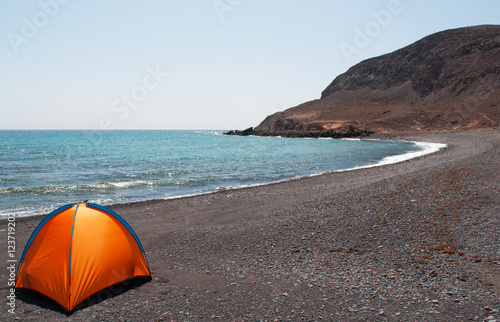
(446, 81)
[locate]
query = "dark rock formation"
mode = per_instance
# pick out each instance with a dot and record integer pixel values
(246, 132)
(446, 81)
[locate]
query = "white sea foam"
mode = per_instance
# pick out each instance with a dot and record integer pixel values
(32, 211)
(351, 139)
(429, 148)
(126, 184)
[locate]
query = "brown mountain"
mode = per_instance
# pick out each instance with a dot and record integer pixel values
(446, 81)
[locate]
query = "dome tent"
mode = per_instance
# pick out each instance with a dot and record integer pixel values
(78, 250)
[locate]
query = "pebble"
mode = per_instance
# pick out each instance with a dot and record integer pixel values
(489, 309)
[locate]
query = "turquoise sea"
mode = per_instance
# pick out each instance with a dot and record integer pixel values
(42, 170)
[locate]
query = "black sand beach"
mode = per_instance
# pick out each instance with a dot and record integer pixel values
(413, 241)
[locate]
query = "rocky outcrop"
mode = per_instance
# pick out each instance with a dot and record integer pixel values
(446, 81)
(273, 125)
(246, 132)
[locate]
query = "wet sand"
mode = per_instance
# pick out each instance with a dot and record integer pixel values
(417, 240)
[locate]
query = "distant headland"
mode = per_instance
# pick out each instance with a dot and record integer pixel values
(447, 81)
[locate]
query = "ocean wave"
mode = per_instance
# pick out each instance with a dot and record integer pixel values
(99, 187)
(54, 189)
(428, 148)
(133, 184)
(225, 188)
(44, 210)
(350, 139)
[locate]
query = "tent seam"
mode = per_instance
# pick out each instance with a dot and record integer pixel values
(70, 253)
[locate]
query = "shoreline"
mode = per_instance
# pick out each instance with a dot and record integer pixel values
(403, 136)
(434, 148)
(414, 240)
(300, 177)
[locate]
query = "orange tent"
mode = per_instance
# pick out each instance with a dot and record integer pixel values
(78, 250)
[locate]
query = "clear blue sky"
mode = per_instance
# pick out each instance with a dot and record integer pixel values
(206, 64)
